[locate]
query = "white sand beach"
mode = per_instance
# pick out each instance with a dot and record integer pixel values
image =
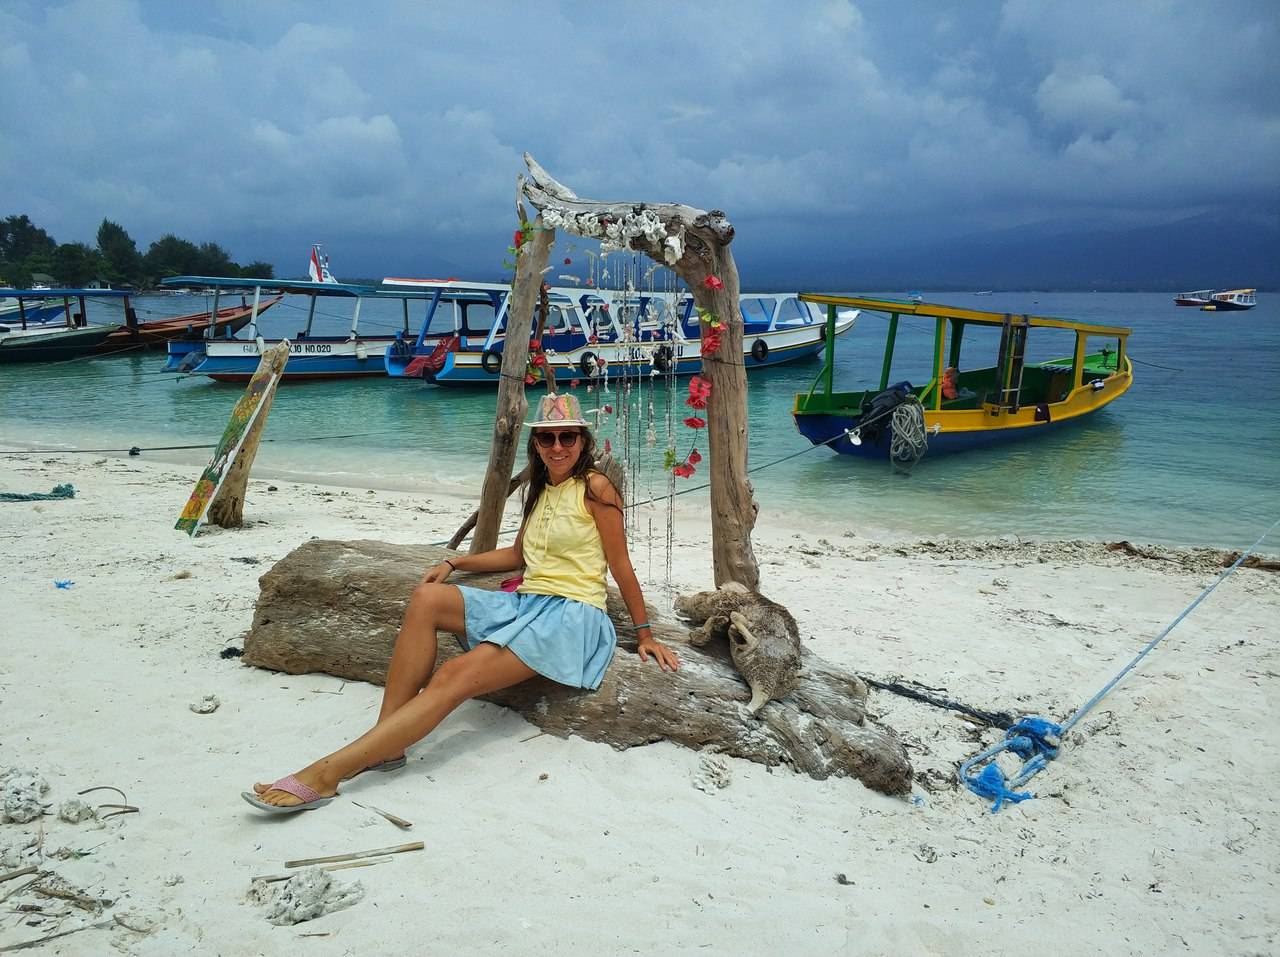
(1156, 831)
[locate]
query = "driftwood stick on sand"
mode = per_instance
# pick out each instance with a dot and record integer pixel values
(356, 855)
(335, 607)
(363, 862)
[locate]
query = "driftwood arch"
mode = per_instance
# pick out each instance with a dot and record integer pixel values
(694, 243)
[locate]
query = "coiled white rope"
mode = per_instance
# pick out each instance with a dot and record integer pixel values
(910, 441)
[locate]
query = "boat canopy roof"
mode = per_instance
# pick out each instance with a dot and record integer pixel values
(299, 286)
(62, 292)
(934, 311)
(447, 284)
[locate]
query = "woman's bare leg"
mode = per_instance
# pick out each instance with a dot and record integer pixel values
(433, 608)
(483, 669)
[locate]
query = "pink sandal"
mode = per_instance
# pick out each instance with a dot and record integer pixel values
(310, 797)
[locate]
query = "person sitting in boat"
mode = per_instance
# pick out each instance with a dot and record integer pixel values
(951, 388)
(553, 625)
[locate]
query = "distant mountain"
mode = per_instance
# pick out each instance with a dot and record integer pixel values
(1210, 250)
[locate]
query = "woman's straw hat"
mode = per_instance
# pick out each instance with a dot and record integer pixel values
(556, 410)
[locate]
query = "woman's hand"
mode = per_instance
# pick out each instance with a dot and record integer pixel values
(666, 658)
(437, 573)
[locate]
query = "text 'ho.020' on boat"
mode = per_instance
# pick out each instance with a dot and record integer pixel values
(964, 407)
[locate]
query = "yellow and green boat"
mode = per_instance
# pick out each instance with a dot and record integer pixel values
(963, 408)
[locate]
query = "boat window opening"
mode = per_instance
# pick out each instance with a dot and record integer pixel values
(755, 314)
(477, 318)
(791, 312)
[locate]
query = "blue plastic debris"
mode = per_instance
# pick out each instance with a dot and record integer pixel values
(63, 583)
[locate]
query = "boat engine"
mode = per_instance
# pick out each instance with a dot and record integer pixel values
(877, 411)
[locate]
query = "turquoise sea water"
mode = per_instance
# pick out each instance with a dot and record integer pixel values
(1191, 454)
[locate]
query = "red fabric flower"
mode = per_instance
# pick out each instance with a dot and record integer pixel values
(593, 339)
(539, 360)
(573, 383)
(683, 470)
(518, 238)
(699, 392)
(608, 446)
(695, 457)
(710, 340)
(713, 282)
(695, 423)
(608, 410)
(529, 379)
(535, 344)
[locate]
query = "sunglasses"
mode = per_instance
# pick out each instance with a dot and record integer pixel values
(548, 439)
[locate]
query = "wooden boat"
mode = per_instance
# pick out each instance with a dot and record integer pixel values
(595, 333)
(23, 341)
(963, 409)
(158, 333)
(1231, 300)
(1199, 297)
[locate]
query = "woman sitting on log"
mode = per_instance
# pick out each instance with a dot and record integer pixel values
(554, 624)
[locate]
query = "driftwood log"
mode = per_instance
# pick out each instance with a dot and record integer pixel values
(335, 607)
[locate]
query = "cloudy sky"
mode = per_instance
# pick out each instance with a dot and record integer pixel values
(392, 131)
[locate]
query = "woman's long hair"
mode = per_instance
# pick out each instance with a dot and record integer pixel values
(538, 470)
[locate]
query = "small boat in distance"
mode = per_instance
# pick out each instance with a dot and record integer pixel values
(1199, 297)
(1231, 300)
(984, 292)
(960, 409)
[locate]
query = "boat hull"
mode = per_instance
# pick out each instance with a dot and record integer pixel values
(51, 345)
(576, 358)
(962, 430)
(36, 314)
(313, 358)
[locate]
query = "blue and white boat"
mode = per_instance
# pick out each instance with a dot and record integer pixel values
(311, 356)
(595, 333)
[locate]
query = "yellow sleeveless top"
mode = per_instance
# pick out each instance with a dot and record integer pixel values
(563, 554)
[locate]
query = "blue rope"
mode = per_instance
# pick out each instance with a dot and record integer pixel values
(1037, 740)
(59, 491)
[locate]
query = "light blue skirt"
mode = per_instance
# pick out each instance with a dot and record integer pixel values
(559, 638)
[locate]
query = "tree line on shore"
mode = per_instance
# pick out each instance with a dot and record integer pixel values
(26, 251)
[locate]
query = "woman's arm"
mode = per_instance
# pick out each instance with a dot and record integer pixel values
(606, 509)
(497, 560)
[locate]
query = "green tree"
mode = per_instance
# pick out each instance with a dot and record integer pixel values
(123, 262)
(20, 238)
(171, 256)
(258, 270)
(215, 261)
(74, 264)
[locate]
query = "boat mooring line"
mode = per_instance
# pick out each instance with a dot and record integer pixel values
(1037, 740)
(136, 450)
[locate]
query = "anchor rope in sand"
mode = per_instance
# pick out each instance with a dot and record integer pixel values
(59, 491)
(1038, 740)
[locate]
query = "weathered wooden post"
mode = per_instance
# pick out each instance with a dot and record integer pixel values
(221, 487)
(531, 258)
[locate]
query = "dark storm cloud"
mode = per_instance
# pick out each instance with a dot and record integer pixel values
(394, 131)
